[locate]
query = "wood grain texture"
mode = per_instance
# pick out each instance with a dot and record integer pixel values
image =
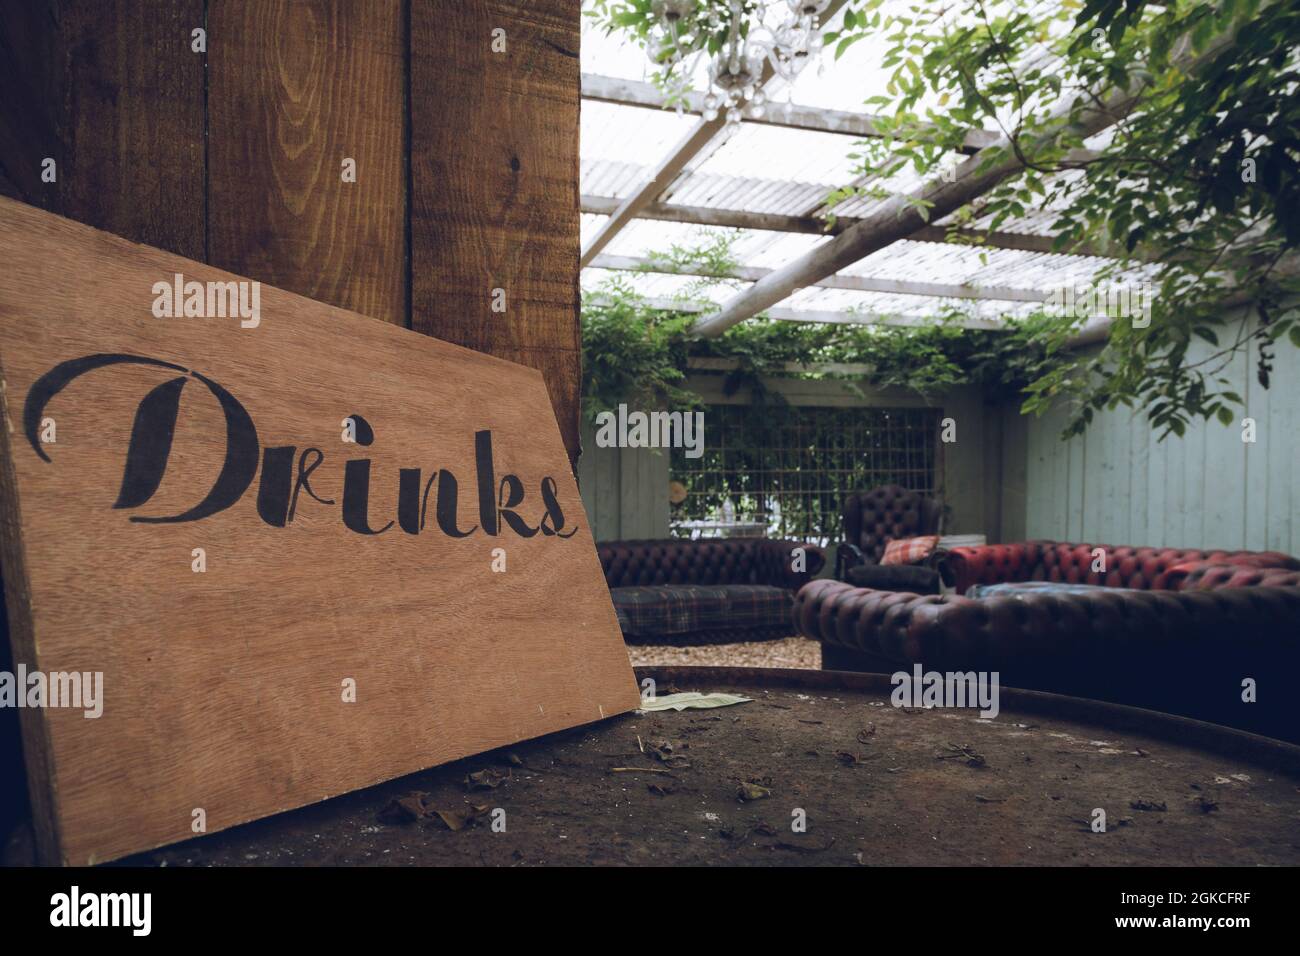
(222, 689)
(509, 218)
(112, 92)
(27, 117)
(297, 87)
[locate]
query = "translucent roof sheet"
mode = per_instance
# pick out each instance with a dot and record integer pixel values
(763, 168)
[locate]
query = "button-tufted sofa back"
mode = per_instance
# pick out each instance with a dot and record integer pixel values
(1124, 566)
(708, 561)
(872, 518)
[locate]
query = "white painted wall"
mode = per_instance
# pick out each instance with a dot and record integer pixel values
(1117, 484)
(625, 490)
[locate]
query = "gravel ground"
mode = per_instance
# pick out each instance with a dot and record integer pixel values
(787, 652)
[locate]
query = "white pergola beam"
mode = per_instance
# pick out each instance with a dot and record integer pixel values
(814, 226)
(827, 317)
(609, 89)
(845, 282)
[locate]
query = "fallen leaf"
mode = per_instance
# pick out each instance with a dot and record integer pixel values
(752, 791)
(461, 817)
(488, 779)
(405, 809)
(692, 700)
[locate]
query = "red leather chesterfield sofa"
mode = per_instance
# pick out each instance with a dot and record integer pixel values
(1170, 629)
(707, 591)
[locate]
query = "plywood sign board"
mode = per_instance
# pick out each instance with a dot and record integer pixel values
(307, 551)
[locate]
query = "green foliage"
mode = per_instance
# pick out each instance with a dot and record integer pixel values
(637, 354)
(631, 353)
(1202, 175)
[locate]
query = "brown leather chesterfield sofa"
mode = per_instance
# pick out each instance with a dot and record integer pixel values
(706, 591)
(1169, 629)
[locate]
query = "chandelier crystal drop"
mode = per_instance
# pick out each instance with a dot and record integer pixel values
(752, 46)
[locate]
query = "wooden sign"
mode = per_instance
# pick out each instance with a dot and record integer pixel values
(285, 551)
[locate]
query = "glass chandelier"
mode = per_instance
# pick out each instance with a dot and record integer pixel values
(781, 34)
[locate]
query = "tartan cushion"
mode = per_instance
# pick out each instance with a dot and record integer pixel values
(682, 608)
(909, 550)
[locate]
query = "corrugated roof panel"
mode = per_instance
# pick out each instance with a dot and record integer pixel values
(630, 134)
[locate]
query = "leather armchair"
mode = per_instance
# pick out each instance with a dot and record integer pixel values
(872, 518)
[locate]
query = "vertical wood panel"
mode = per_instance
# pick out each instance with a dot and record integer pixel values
(1140, 468)
(1284, 453)
(28, 133)
(1076, 457)
(1206, 490)
(1225, 470)
(112, 92)
(1157, 483)
(296, 87)
(631, 517)
(1175, 491)
(1194, 467)
(587, 477)
(1093, 489)
(1258, 500)
(494, 184)
(608, 523)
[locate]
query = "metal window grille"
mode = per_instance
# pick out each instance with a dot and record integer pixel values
(790, 467)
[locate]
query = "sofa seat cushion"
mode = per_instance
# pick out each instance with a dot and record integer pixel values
(684, 608)
(894, 577)
(1020, 589)
(1123, 566)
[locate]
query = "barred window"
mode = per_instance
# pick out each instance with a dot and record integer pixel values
(789, 468)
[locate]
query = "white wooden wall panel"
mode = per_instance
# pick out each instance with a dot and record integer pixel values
(1117, 484)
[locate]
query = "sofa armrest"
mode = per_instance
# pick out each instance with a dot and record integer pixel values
(1105, 631)
(776, 562)
(847, 556)
(992, 564)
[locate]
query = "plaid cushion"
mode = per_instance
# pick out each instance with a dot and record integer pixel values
(909, 550)
(682, 608)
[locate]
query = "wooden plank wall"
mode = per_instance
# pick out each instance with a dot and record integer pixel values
(466, 159)
(625, 490)
(306, 85)
(1117, 484)
(494, 223)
